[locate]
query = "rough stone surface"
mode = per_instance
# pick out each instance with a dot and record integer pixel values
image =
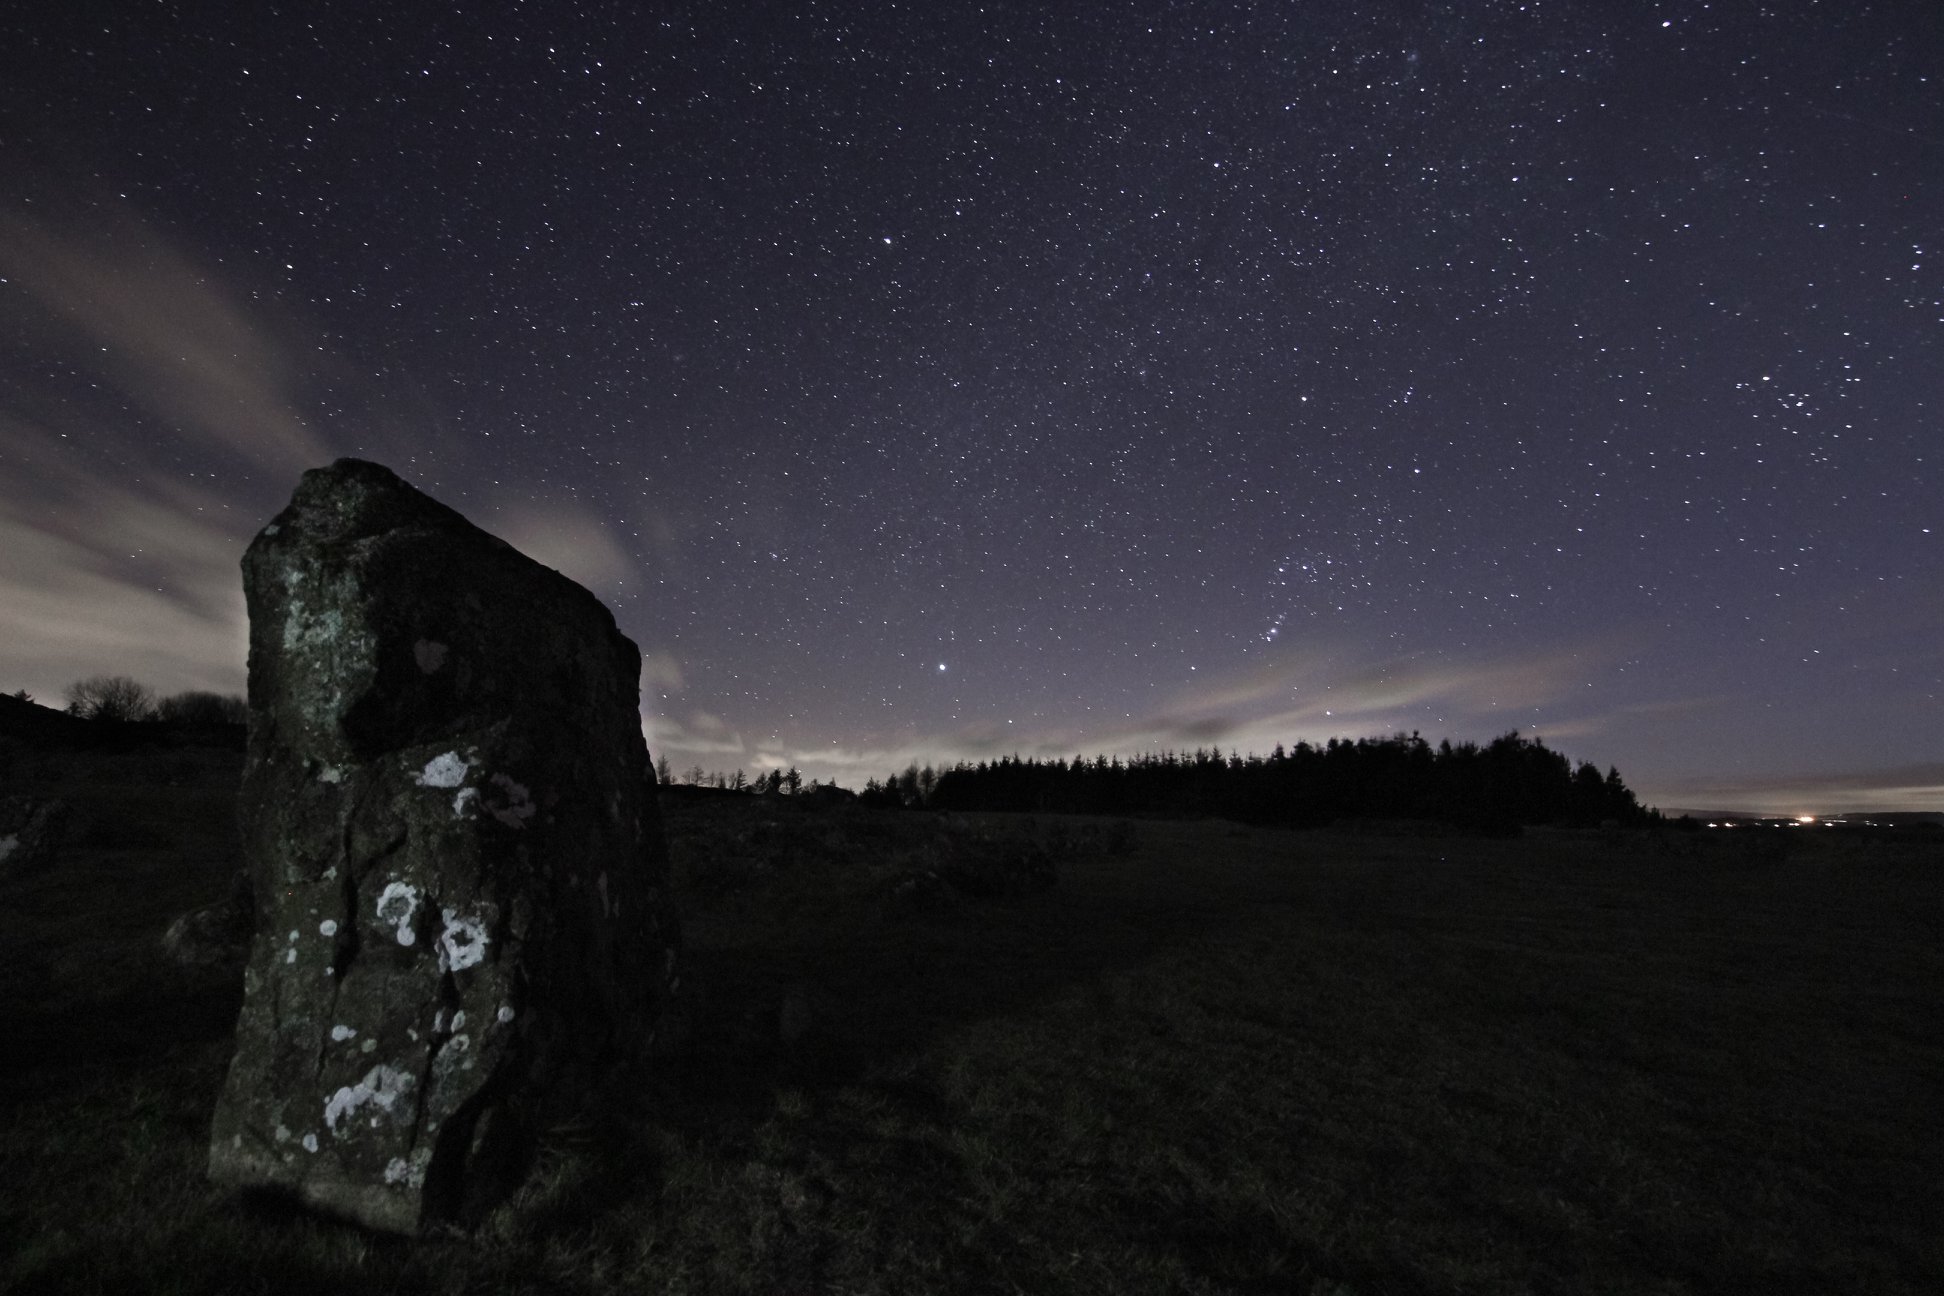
(31, 833)
(461, 919)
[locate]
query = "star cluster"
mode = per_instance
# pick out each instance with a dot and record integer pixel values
(939, 381)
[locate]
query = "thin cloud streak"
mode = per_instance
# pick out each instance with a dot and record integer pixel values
(1894, 787)
(168, 336)
(569, 537)
(174, 618)
(1251, 712)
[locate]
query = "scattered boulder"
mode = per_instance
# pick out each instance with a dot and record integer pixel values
(461, 920)
(31, 832)
(216, 936)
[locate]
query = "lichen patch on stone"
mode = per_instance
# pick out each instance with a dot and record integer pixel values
(408, 1171)
(447, 771)
(328, 927)
(463, 942)
(398, 904)
(343, 1033)
(381, 1089)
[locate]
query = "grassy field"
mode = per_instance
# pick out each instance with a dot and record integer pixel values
(1217, 1060)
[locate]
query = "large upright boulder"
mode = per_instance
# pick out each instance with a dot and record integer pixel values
(457, 859)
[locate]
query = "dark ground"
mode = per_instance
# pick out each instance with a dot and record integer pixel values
(1210, 1058)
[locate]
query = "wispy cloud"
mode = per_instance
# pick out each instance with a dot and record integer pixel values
(569, 537)
(125, 563)
(1892, 787)
(167, 334)
(101, 578)
(1304, 695)
(660, 670)
(701, 738)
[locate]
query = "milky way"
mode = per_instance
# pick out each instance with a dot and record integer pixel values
(960, 380)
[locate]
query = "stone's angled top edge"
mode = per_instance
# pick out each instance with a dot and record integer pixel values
(351, 463)
(352, 499)
(350, 466)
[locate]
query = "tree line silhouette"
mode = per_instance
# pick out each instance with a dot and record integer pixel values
(118, 699)
(1498, 787)
(1508, 782)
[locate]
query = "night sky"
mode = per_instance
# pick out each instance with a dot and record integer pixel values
(939, 381)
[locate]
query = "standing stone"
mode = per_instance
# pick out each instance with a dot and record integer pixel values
(456, 855)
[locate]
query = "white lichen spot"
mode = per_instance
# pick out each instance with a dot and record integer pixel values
(290, 956)
(342, 1033)
(430, 655)
(395, 1170)
(458, 1044)
(459, 1019)
(518, 806)
(295, 934)
(369, 1046)
(447, 771)
(272, 529)
(438, 1022)
(380, 1089)
(330, 774)
(413, 1032)
(398, 904)
(460, 802)
(505, 1014)
(283, 1134)
(328, 927)
(310, 1142)
(463, 942)
(8, 843)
